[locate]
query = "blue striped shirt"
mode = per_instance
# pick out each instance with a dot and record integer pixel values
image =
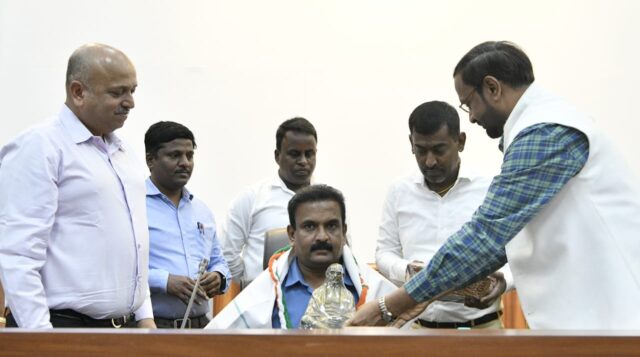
(537, 164)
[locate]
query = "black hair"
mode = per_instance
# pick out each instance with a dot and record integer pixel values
(429, 117)
(501, 59)
(298, 125)
(315, 193)
(164, 132)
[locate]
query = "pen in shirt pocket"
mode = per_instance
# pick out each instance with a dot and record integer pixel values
(201, 229)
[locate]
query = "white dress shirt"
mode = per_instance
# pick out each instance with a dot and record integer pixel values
(259, 209)
(416, 221)
(73, 224)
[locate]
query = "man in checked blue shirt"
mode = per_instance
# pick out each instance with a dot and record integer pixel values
(182, 231)
(564, 210)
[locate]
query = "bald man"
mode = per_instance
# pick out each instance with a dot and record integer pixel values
(74, 241)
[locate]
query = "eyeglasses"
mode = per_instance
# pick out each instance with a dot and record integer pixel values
(464, 106)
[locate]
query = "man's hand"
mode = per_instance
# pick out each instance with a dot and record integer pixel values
(210, 283)
(367, 315)
(147, 323)
(413, 268)
(398, 302)
(182, 286)
(492, 295)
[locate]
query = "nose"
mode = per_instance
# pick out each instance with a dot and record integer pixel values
(129, 102)
(183, 161)
(430, 160)
(472, 119)
(322, 234)
(303, 160)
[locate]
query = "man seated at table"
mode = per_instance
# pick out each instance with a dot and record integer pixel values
(279, 296)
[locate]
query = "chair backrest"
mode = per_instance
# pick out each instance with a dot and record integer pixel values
(273, 240)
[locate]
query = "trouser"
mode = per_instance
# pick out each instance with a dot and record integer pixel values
(192, 322)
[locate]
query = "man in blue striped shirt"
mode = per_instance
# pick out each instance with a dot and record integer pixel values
(563, 210)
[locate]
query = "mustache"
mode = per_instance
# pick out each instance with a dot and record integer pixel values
(322, 245)
(122, 111)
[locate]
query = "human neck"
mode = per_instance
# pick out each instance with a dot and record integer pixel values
(444, 187)
(293, 187)
(173, 195)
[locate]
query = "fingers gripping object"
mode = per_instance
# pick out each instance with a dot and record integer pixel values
(201, 270)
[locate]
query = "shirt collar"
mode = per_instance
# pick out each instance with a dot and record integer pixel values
(277, 181)
(464, 175)
(79, 132)
(152, 190)
(294, 275)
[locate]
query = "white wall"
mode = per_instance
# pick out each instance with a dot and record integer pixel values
(233, 70)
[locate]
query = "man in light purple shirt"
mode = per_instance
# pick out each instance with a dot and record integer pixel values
(74, 243)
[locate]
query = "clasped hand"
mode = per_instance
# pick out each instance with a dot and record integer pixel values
(182, 287)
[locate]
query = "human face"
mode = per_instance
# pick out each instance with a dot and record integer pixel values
(481, 112)
(108, 97)
(437, 156)
(172, 165)
(296, 159)
(319, 235)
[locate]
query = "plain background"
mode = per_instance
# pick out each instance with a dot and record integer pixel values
(232, 71)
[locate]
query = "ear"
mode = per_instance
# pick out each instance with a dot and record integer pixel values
(290, 232)
(411, 142)
(462, 139)
(276, 154)
(493, 86)
(77, 92)
(149, 158)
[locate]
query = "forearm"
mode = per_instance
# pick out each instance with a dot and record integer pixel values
(457, 264)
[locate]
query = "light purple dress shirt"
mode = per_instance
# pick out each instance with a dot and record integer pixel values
(73, 225)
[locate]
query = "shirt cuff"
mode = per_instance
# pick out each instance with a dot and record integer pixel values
(398, 271)
(145, 311)
(224, 283)
(419, 287)
(508, 277)
(158, 280)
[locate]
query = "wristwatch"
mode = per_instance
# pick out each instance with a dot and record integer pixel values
(223, 281)
(387, 316)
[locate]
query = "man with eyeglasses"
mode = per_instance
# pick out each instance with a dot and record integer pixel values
(563, 211)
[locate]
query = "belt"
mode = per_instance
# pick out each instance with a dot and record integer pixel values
(193, 322)
(467, 324)
(90, 321)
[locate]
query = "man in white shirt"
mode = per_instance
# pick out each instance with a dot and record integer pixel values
(74, 243)
(423, 209)
(264, 205)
